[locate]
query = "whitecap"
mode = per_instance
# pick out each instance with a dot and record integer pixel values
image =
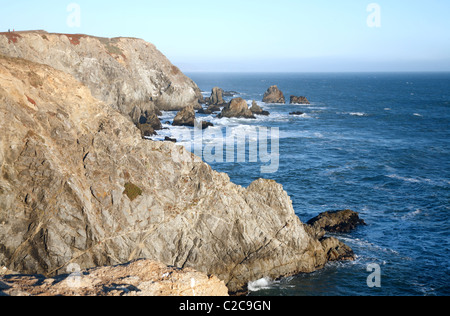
(358, 114)
(417, 114)
(395, 176)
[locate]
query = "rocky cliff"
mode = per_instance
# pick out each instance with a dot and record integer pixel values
(79, 185)
(123, 72)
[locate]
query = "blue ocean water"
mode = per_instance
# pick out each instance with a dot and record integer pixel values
(378, 144)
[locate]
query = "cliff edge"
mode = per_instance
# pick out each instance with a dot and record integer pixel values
(123, 72)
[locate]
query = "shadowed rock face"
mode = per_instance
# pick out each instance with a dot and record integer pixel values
(122, 72)
(79, 185)
(274, 95)
(137, 278)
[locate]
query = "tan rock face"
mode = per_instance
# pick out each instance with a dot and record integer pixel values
(185, 117)
(78, 185)
(138, 278)
(274, 95)
(122, 72)
(237, 108)
(299, 100)
(216, 97)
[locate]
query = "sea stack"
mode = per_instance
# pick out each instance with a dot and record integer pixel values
(237, 108)
(186, 117)
(274, 95)
(216, 97)
(299, 100)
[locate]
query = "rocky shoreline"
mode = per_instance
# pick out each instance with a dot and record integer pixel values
(150, 278)
(79, 186)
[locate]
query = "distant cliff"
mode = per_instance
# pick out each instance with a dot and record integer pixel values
(122, 72)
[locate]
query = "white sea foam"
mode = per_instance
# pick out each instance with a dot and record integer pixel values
(395, 176)
(358, 114)
(261, 284)
(417, 114)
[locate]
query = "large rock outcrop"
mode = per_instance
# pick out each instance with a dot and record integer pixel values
(78, 185)
(274, 95)
(137, 278)
(122, 72)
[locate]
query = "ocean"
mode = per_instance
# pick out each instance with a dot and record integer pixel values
(375, 143)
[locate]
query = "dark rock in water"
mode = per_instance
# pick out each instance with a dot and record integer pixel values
(216, 96)
(256, 109)
(168, 139)
(337, 221)
(296, 113)
(237, 108)
(210, 110)
(230, 93)
(185, 117)
(214, 108)
(299, 100)
(274, 95)
(205, 125)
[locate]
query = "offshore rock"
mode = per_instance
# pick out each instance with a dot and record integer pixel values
(237, 108)
(79, 186)
(137, 278)
(216, 97)
(274, 95)
(298, 113)
(337, 221)
(256, 109)
(186, 117)
(299, 100)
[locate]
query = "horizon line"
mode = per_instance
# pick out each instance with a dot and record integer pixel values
(323, 72)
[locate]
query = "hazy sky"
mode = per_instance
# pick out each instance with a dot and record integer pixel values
(260, 35)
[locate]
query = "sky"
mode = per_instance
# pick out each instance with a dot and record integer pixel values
(260, 35)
